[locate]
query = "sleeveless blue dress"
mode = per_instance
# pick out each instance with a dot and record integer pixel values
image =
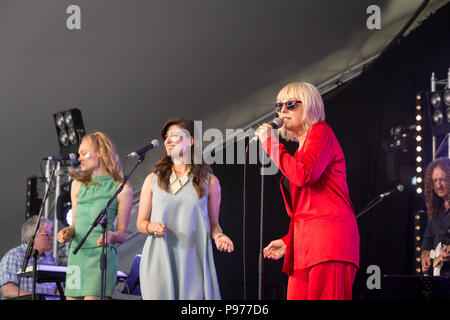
(180, 265)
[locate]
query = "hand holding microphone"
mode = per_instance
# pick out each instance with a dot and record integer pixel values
(265, 130)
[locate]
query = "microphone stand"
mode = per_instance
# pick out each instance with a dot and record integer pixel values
(103, 221)
(371, 204)
(35, 258)
(30, 250)
(261, 235)
(261, 228)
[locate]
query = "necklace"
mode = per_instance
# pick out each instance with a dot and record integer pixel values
(176, 182)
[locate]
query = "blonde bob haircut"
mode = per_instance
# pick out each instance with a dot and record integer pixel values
(109, 158)
(313, 109)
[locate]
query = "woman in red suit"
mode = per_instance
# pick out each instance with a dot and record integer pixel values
(321, 249)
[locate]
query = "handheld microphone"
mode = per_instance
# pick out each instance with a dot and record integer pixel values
(275, 124)
(71, 156)
(140, 152)
(398, 188)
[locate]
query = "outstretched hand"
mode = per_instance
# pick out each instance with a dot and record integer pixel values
(275, 250)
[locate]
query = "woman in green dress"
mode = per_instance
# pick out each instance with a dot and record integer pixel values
(100, 177)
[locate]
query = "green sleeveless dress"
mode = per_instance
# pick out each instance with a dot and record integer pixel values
(83, 276)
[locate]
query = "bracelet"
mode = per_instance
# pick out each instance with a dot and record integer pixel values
(218, 236)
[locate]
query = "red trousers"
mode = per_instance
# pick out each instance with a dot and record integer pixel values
(331, 280)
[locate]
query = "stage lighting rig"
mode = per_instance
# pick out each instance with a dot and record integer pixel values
(399, 150)
(401, 138)
(70, 130)
(420, 154)
(439, 105)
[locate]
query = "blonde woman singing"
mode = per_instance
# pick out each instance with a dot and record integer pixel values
(101, 175)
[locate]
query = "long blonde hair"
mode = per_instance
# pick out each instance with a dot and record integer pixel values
(313, 109)
(109, 158)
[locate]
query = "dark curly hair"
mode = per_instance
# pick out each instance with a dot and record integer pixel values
(434, 202)
(199, 169)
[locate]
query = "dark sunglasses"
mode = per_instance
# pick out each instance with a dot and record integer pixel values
(290, 105)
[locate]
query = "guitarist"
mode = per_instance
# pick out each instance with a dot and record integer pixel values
(436, 196)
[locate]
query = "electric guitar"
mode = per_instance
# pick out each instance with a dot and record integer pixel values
(435, 255)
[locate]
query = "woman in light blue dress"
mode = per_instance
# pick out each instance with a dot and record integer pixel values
(179, 210)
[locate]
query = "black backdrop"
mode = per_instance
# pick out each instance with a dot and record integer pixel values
(361, 114)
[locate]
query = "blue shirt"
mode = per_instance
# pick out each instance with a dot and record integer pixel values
(12, 262)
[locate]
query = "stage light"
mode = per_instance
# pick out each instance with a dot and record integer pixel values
(33, 203)
(63, 139)
(435, 100)
(70, 130)
(418, 221)
(59, 120)
(71, 136)
(419, 156)
(446, 97)
(436, 103)
(438, 99)
(438, 117)
(64, 206)
(68, 119)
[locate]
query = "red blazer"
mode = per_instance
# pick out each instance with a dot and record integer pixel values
(323, 225)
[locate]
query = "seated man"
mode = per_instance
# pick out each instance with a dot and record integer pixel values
(12, 261)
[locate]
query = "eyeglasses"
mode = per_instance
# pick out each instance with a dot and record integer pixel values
(45, 234)
(290, 105)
